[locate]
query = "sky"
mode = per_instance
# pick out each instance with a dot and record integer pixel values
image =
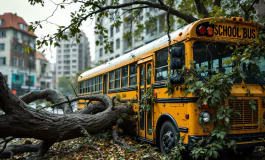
(35, 13)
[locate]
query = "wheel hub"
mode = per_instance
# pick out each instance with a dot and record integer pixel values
(168, 141)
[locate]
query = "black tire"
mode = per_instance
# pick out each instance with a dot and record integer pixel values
(167, 139)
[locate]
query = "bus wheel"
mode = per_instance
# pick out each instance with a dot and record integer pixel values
(167, 137)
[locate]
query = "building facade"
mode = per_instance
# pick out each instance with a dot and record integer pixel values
(44, 72)
(72, 57)
(15, 64)
(121, 45)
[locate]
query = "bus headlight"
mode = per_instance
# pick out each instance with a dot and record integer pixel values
(206, 117)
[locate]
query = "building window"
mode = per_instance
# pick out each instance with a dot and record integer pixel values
(111, 46)
(21, 62)
(2, 33)
(111, 31)
(117, 56)
(100, 52)
(73, 61)
(1, 22)
(100, 39)
(22, 26)
(117, 78)
(59, 51)
(15, 61)
(117, 43)
(74, 50)
(111, 58)
(118, 29)
(2, 46)
(2, 61)
(15, 33)
(66, 45)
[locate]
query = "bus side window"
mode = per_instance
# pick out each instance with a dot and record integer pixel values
(80, 87)
(149, 70)
(133, 74)
(124, 75)
(161, 70)
(92, 85)
(100, 83)
(88, 86)
(96, 83)
(117, 78)
(111, 80)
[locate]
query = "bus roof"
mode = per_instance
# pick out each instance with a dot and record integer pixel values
(186, 32)
(134, 53)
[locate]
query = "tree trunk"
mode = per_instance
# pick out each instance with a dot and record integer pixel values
(21, 121)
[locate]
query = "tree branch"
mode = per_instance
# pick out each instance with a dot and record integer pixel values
(217, 3)
(201, 8)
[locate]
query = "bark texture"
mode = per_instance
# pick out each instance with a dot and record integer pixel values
(21, 121)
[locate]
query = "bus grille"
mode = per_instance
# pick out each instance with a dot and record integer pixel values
(248, 117)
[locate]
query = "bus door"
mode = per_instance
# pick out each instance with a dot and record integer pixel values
(105, 91)
(146, 118)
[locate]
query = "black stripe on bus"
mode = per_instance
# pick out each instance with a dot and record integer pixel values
(126, 100)
(176, 100)
(182, 129)
(159, 85)
(122, 89)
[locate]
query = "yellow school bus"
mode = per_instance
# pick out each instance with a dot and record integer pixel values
(149, 66)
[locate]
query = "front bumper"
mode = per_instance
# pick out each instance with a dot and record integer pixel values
(243, 140)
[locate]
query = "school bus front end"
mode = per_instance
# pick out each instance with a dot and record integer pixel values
(211, 50)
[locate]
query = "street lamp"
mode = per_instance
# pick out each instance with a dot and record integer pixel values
(29, 77)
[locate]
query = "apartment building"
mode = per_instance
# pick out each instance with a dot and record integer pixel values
(121, 45)
(17, 66)
(72, 57)
(44, 72)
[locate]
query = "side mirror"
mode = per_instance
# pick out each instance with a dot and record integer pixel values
(176, 79)
(176, 54)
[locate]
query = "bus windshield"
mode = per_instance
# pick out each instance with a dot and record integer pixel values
(212, 55)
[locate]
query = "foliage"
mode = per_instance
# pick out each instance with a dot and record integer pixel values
(148, 100)
(64, 85)
(213, 90)
(130, 14)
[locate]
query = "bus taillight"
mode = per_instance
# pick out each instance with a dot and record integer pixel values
(210, 30)
(202, 30)
(205, 29)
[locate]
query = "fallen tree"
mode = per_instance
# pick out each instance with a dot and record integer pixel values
(21, 121)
